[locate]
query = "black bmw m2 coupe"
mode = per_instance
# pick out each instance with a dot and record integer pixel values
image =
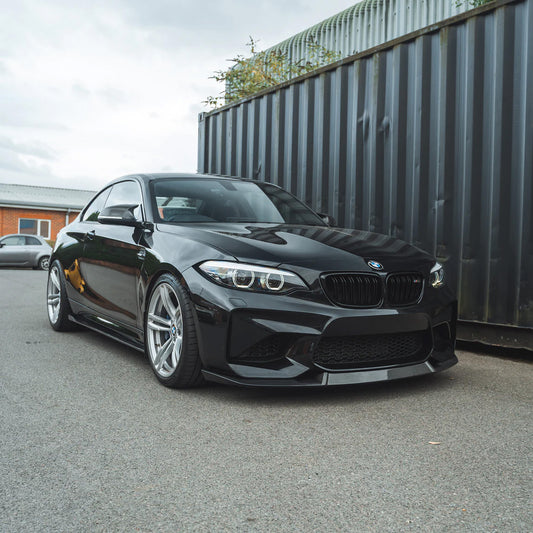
(239, 282)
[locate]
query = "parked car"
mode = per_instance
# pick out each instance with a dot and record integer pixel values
(25, 251)
(239, 282)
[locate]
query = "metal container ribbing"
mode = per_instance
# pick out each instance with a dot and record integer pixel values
(428, 138)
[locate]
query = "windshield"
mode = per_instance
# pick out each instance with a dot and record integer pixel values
(212, 200)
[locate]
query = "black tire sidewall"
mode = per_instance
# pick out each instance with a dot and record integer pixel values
(181, 377)
(40, 263)
(63, 322)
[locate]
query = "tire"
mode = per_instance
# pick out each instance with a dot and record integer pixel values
(57, 302)
(44, 263)
(171, 342)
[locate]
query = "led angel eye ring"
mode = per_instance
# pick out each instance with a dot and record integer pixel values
(243, 285)
(271, 284)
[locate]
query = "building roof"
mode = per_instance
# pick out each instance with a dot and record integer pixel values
(43, 197)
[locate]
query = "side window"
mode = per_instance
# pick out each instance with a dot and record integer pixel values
(32, 241)
(93, 209)
(14, 241)
(126, 193)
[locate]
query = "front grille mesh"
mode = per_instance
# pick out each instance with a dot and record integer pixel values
(358, 290)
(370, 350)
(404, 289)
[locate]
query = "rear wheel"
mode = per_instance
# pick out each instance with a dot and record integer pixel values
(170, 335)
(57, 302)
(44, 263)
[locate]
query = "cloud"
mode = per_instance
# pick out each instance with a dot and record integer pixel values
(19, 163)
(23, 108)
(80, 90)
(35, 148)
(83, 83)
(112, 96)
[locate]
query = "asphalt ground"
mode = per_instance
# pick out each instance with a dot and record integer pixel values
(91, 442)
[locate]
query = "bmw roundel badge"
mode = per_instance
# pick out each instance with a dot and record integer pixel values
(375, 265)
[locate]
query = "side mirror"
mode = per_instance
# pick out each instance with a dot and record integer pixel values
(119, 215)
(328, 219)
(2, 244)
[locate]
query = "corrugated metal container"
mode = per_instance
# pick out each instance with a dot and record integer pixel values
(369, 23)
(428, 138)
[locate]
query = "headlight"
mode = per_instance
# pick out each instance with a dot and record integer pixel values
(251, 277)
(436, 276)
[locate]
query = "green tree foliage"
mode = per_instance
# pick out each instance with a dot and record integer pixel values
(249, 75)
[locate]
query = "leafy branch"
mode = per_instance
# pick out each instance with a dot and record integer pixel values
(249, 75)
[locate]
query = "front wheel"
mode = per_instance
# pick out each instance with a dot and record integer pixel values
(170, 335)
(56, 299)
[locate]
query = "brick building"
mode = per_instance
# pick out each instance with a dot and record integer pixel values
(39, 210)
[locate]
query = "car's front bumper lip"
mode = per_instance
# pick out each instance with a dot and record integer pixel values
(324, 379)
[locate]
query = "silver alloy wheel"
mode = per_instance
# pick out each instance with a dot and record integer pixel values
(164, 330)
(53, 294)
(44, 263)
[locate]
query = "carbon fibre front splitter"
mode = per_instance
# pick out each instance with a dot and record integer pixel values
(323, 379)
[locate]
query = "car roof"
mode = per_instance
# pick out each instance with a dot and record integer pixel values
(147, 177)
(159, 175)
(21, 235)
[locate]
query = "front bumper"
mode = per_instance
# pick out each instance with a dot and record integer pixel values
(263, 340)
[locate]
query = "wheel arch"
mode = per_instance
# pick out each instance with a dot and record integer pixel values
(167, 268)
(39, 256)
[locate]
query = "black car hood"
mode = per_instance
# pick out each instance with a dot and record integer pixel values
(316, 247)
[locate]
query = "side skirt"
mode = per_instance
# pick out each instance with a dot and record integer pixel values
(108, 332)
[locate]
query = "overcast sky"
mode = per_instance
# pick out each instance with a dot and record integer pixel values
(92, 90)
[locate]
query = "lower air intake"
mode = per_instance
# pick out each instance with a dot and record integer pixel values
(360, 351)
(268, 350)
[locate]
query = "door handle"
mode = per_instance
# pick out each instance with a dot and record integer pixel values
(89, 236)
